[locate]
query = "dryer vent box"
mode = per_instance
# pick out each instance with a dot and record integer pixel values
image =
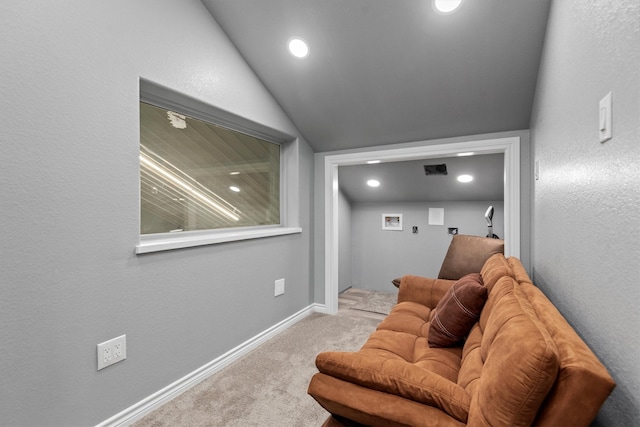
(435, 169)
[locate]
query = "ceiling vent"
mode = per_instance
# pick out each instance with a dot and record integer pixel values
(435, 169)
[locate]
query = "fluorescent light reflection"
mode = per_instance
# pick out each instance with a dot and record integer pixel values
(159, 170)
(373, 162)
(467, 154)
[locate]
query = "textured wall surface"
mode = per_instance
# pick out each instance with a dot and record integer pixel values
(586, 230)
(380, 255)
(69, 191)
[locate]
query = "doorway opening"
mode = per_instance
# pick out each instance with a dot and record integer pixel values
(510, 147)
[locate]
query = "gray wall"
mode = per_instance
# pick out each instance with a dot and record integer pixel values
(345, 269)
(380, 255)
(319, 217)
(69, 191)
(586, 231)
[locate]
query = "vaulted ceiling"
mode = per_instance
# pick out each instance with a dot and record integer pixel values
(382, 71)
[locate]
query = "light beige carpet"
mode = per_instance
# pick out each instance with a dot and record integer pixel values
(376, 302)
(268, 387)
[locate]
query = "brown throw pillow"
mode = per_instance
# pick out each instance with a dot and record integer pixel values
(457, 311)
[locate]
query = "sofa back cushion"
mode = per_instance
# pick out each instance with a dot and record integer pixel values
(495, 268)
(583, 382)
(517, 360)
(518, 271)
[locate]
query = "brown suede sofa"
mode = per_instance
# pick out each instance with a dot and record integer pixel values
(521, 363)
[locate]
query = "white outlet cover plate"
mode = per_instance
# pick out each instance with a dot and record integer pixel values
(115, 348)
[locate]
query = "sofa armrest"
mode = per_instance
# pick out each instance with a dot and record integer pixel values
(374, 408)
(398, 377)
(423, 290)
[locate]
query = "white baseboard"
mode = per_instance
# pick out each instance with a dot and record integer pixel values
(319, 308)
(147, 405)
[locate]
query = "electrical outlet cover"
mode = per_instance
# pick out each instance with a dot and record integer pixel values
(112, 351)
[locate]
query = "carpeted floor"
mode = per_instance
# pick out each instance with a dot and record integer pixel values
(376, 302)
(268, 387)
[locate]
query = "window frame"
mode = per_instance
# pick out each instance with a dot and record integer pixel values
(163, 97)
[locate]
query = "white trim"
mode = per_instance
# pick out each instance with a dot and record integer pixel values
(319, 308)
(164, 97)
(166, 241)
(149, 404)
(509, 146)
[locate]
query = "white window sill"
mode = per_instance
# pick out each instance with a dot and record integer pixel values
(170, 241)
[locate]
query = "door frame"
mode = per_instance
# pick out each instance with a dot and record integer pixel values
(509, 146)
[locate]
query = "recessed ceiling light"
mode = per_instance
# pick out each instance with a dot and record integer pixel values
(446, 6)
(373, 183)
(465, 178)
(234, 189)
(298, 47)
(234, 173)
(372, 162)
(468, 153)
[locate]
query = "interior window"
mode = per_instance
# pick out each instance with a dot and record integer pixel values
(196, 175)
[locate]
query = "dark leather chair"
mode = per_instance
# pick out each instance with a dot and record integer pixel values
(467, 254)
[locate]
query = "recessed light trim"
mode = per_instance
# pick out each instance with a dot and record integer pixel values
(446, 7)
(373, 183)
(465, 178)
(298, 47)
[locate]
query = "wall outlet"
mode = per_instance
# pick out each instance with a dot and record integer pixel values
(112, 351)
(279, 287)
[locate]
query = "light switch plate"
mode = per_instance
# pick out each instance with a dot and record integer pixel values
(604, 118)
(279, 287)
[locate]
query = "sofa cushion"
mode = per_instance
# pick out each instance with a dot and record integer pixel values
(457, 311)
(519, 273)
(368, 407)
(520, 360)
(423, 290)
(496, 267)
(394, 375)
(409, 317)
(471, 364)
